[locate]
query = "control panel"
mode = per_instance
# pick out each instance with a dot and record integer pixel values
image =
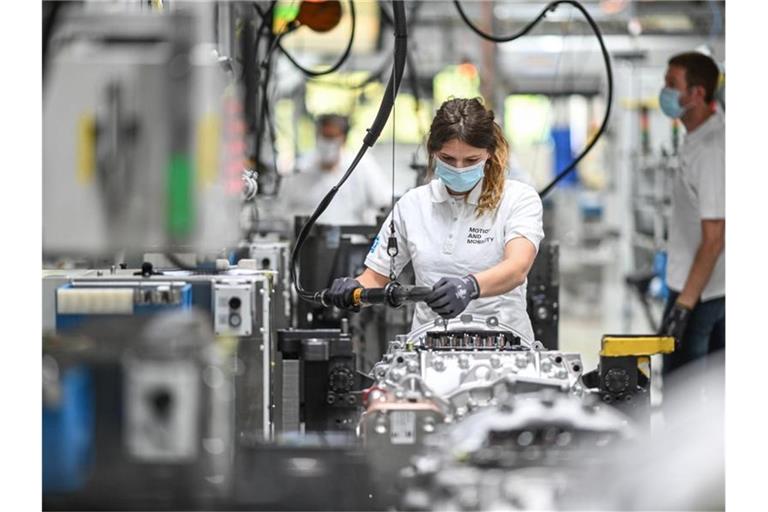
(233, 309)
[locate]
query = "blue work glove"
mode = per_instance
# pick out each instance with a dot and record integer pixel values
(340, 294)
(675, 322)
(450, 295)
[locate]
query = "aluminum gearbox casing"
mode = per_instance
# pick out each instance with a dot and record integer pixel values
(466, 362)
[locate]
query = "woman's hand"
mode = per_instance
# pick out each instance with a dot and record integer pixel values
(451, 295)
(340, 294)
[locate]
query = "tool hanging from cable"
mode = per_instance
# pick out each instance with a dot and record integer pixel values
(401, 47)
(388, 104)
(392, 249)
(606, 57)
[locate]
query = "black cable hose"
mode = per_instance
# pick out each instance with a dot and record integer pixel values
(371, 78)
(387, 103)
(609, 72)
(341, 60)
(376, 75)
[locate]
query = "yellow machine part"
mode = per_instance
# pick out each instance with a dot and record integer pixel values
(622, 346)
(86, 149)
(208, 129)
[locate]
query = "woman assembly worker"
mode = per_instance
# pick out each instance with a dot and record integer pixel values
(471, 234)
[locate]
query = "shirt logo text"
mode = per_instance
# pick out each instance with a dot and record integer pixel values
(479, 236)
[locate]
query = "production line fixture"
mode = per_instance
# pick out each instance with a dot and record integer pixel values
(460, 418)
(469, 408)
(158, 376)
(186, 389)
(182, 377)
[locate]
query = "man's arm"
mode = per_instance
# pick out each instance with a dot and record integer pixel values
(511, 272)
(710, 248)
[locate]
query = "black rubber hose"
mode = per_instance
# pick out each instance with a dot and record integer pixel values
(51, 14)
(606, 57)
(387, 103)
(342, 59)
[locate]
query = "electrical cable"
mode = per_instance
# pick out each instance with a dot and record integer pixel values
(341, 60)
(387, 103)
(51, 15)
(265, 66)
(609, 72)
(376, 75)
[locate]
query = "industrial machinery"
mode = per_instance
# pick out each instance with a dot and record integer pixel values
(170, 373)
(335, 251)
(137, 412)
(474, 415)
(178, 385)
(142, 143)
(543, 294)
(466, 405)
(320, 382)
(273, 255)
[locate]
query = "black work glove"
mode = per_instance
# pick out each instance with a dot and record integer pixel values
(675, 322)
(450, 295)
(340, 294)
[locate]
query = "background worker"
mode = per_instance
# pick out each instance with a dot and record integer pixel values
(695, 312)
(357, 202)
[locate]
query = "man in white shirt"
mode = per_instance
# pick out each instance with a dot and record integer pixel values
(358, 200)
(695, 313)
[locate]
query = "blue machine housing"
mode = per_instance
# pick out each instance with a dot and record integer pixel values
(68, 426)
(68, 321)
(68, 433)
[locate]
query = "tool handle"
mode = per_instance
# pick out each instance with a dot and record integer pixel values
(393, 294)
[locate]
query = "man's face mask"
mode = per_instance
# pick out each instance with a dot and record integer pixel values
(669, 101)
(459, 179)
(328, 150)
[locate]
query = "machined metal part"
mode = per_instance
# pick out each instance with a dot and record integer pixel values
(468, 367)
(472, 340)
(523, 454)
(466, 323)
(447, 372)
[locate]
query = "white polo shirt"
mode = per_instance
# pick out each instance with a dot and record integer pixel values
(443, 237)
(698, 193)
(357, 201)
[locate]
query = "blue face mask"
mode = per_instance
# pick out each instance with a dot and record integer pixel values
(669, 101)
(459, 179)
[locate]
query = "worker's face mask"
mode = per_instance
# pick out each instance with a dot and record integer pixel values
(669, 101)
(459, 179)
(328, 150)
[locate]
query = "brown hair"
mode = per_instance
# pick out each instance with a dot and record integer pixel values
(470, 122)
(699, 70)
